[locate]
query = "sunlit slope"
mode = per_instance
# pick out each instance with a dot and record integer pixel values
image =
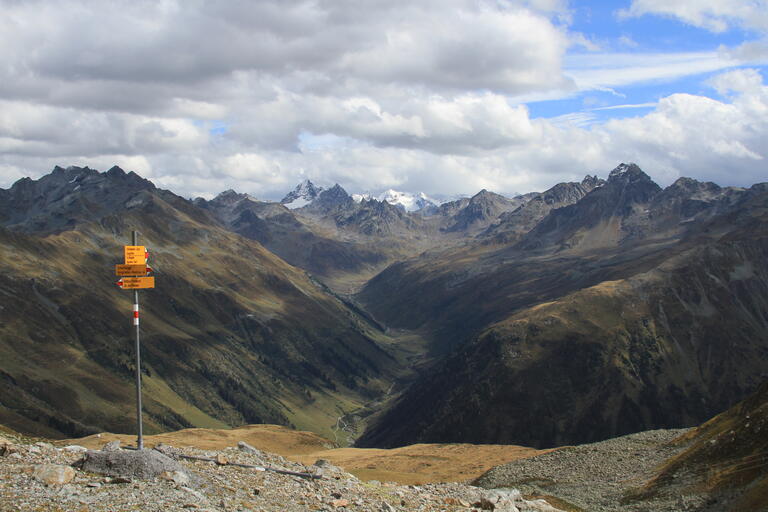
(231, 335)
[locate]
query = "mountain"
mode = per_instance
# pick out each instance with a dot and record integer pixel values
(288, 235)
(304, 193)
(66, 197)
(513, 225)
(609, 214)
(481, 209)
(221, 336)
(596, 323)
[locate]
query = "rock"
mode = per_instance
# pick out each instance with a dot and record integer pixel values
(74, 448)
(485, 504)
(111, 446)
(245, 447)
(54, 474)
(221, 460)
(44, 446)
(34, 450)
(340, 503)
(168, 450)
(7, 449)
(177, 477)
(143, 464)
(456, 502)
(386, 507)
(541, 506)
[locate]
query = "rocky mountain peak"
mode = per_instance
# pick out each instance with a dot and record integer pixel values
(334, 197)
(627, 172)
(591, 182)
(66, 196)
(305, 192)
(229, 197)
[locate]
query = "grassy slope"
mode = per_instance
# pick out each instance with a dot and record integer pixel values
(232, 334)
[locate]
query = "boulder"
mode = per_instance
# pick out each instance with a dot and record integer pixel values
(245, 447)
(53, 474)
(142, 464)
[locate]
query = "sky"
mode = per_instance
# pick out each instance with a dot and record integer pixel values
(445, 97)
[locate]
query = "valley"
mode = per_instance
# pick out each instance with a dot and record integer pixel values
(606, 306)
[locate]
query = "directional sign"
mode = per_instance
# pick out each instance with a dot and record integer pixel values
(133, 283)
(135, 254)
(132, 270)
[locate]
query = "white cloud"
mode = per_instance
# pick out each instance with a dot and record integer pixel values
(255, 96)
(713, 15)
(601, 70)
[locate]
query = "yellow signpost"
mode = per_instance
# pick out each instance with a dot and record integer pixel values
(134, 277)
(135, 254)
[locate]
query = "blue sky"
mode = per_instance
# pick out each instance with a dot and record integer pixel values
(441, 96)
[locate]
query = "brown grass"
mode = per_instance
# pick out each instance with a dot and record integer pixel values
(415, 464)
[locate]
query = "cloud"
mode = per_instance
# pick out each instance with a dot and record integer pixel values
(713, 15)
(607, 70)
(255, 96)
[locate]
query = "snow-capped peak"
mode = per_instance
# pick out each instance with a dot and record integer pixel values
(411, 202)
(304, 193)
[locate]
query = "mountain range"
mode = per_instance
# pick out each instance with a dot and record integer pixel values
(590, 310)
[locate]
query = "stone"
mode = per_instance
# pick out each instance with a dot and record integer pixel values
(111, 446)
(7, 449)
(54, 474)
(221, 459)
(34, 450)
(44, 446)
(340, 503)
(142, 464)
(74, 448)
(177, 477)
(485, 504)
(245, 447)
(386, 507)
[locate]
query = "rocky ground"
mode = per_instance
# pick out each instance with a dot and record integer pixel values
(37, 476)
(597, 477)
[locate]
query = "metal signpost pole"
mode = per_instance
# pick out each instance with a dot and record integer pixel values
(140, 440)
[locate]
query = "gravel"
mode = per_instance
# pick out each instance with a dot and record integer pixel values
(595, 477)
(227, 487)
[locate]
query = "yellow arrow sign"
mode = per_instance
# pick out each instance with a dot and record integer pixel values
(135, 254)
(132, 270)
(133, 283)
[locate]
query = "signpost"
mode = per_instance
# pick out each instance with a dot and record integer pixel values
(133, 276)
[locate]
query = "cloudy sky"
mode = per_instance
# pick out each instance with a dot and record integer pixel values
(440, 96)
